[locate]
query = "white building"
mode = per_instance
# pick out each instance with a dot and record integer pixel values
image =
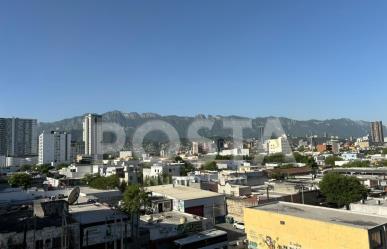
(92, 133)
(194, 201)
(126, 154)
(235, 152)
(54, 147)
(80, 171)
(158, 170)
(20, 161)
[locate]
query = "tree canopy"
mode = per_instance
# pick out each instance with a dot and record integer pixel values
(342, 190)
(357, 164)
(101, 182)
(210, 166)
(135, 198)
(332, 159)
(274, 158)
(20, 180)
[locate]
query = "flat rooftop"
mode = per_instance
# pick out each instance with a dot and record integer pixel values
(182, 192)
(330, 215)
(93, 191)
(168, 218)
(200, 236)
(94, 213)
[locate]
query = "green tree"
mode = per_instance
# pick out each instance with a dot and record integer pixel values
(178, 159)
(20, 180)
(101, 182)
(210, 166)
(275, 158)
(357, 164)
(342, 190)
(188, 167)
(332, 159)
(135, 198)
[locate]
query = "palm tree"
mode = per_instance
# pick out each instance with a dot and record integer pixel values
(135, 198)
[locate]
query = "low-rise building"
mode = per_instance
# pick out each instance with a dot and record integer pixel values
(234, 190)
(160, 169)
(166, 227)
(193, 201)
(290, 225)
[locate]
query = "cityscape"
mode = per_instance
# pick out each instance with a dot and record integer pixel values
(151, 125)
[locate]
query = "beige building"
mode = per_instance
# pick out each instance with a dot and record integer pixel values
(278, 145)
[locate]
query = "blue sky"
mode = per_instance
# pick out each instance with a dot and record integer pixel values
(300, 59)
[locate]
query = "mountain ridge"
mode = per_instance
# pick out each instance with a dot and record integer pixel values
(342, 127)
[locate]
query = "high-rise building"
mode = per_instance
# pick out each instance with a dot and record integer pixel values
(195, 148)
(18, 137)
(377, 136)
(54, 147)
(92, 133)
(77, 148)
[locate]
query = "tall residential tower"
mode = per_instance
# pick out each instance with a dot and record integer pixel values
(377, 136)
(18, 137)
(54, 147)
(92, 134)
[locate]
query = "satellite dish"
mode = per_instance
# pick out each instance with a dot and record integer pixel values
(73, 196)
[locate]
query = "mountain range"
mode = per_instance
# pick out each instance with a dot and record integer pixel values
(342, 127)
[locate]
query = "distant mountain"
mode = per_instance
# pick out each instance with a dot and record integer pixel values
(130, 121)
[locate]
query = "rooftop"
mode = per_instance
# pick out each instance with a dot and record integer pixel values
(330, 215)
(168, 218)
(182, 192)
(93, 191)
(200, 236)
(94, 213)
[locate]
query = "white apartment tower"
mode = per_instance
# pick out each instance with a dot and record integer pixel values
(54, 147)
(92, 134)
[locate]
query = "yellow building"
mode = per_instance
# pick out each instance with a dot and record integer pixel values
(284, 225)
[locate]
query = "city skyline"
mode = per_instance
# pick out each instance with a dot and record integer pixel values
(299, 60)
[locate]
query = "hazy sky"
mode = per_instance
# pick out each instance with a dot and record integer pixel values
(300, 59)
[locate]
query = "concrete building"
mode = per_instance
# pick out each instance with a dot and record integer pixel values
(235, 152)
(20, 161)
(234, 190)
(80, 170)
(51, 228)
(166, 227)
(54, 148)
(193, 201)
(335, 146)
(377, 136)
(104, 227)
(160, 169)
(279, 145)
(195, 148)
(289, 225)
(76, 148)
(18, 137)
(92, 134)
(126, 154)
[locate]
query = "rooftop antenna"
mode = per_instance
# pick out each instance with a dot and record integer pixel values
(73, 196)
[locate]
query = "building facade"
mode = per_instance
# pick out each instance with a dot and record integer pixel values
(18, 137)
(54, 147)
(377, 136)
(92, 133)
(297, 226)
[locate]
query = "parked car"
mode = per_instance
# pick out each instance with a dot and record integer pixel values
(239, 225)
